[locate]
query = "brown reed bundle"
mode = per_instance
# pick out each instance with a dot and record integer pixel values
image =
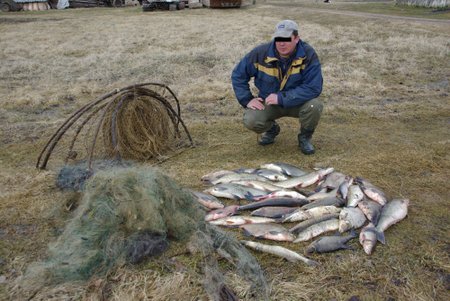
(139, 123)
(139, 128)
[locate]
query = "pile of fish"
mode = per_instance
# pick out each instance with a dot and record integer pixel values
(278, 193)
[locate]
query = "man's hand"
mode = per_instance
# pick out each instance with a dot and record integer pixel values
(272, 99)
(256, 104)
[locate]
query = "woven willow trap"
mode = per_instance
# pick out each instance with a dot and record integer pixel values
(132, 123)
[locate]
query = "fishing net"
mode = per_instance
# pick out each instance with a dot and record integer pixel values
(138, 122)
(128, 215)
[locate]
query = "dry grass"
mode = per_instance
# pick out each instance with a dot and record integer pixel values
(386, 118)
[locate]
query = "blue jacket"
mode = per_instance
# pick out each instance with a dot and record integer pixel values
(302, 82)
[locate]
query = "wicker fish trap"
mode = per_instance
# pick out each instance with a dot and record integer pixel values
(137, 122)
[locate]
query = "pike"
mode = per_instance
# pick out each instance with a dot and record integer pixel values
(238, 220)
(215, 175)
(317, 229)
(233, 177)
(266, 186)
(284, 168)
(371, 210)
(235, 191)
(271, 175)
(286, 202)
(221, 213)
(372, 191)
(305, 180)
(279, 251)
(351, 218)
(392, 213)
(330, 243)
(268, 231)
(282, 194)
(207, 200)
(309, 222)
(272, 212)
(354, 196)
(301, 215)
(333, 201)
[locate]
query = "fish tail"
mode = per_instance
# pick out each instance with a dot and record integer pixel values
(380, 237)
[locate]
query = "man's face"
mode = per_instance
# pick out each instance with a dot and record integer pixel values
(285, 48)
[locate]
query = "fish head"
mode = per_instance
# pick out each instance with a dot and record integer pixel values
(344, 226)
(405, 202)
(310, 249)
(368, 246)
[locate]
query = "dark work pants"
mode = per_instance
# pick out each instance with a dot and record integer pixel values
(261, 121)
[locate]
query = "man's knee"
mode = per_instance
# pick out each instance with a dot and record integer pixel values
(310, 113)
(314, 106)
(254, 122)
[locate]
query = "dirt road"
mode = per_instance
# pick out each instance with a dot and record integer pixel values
(361, 14)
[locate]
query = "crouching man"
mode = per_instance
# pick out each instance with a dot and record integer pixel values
(288, 76)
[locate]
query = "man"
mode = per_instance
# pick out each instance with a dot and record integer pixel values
(288, 75)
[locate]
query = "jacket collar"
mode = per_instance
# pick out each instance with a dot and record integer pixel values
(299, 55)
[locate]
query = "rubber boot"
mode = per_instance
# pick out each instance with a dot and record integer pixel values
(269, 136)
(304, 142)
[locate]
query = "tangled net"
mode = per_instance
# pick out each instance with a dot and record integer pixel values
(138, 123)
(129, 214)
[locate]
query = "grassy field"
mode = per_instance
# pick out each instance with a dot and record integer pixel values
(386, 118)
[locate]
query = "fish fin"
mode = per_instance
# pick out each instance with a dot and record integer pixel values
(279, 220)
(249, 196)
(236, 197)
(347, 247)
(380, 237)
(246, 232)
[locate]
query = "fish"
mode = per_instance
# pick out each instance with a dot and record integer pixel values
(282, 194)
(368, 238)
(305, 180)
(317, 229)
(323, 194)
(330, 243)
(372, 191)
(286, 202)
(333, 180)
(351, 218)
(266, 186)
(343, 188)
(221, 213)
(279, 251)
(272, 175)
(393, 212)
(333, 201)
(268, 231)
(272, 212)
(233, 177)
(234, 191)
(354, 195)
(238, 220)
(301, 215)
(207, 200)
(215, 175)
(284, 168)
(371, 210)
(309, 222)
(245, 170)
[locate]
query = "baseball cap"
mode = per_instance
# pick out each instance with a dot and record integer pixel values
(284, 29)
